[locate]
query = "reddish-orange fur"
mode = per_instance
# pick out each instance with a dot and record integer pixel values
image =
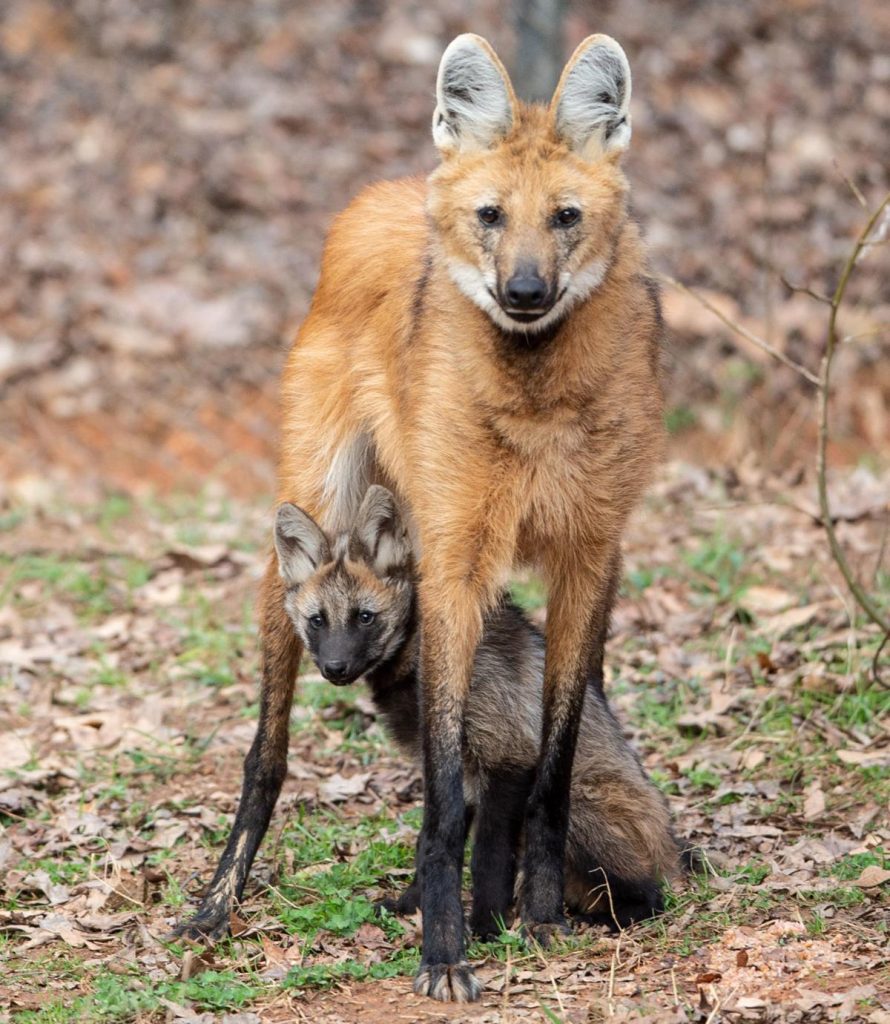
(503, 454)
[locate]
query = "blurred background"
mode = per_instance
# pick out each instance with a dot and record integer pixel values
(169, 169)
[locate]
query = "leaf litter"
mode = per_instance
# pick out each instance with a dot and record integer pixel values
(769, 742)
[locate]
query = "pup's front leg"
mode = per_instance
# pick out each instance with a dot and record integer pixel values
(502, 807)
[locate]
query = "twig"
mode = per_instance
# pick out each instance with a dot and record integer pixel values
(863, 599)
(852, 186)
(806, 290)
(761, 343)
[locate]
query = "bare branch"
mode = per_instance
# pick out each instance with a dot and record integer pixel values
(761, 343)
(852, 186)
(806, 290)
(863, 599)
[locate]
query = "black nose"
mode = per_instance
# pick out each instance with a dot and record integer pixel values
(334, 670)
(526, 291)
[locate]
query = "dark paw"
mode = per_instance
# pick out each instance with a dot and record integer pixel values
(545, 932)
(488, 926)
(402, 906)
(206, 926)
(448, 983)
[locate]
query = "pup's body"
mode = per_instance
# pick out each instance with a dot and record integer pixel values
(354, 609)
(486, 344)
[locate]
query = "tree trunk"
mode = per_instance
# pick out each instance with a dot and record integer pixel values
(539, 53)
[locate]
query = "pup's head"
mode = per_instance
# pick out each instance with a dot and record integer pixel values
(528, 200)
(350, 597)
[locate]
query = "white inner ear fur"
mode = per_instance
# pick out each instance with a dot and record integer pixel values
(299, 543)
(593, 101)
(380, 529)
(473, 104)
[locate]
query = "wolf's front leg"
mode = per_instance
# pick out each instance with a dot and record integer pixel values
(450, 633)
(265, 766)
(577, 609)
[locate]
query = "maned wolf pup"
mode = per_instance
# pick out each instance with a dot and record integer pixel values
(352, 601)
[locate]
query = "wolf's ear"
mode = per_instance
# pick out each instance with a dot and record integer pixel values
(475, 102)
(590, 107)
(299, 543)
(379, 533)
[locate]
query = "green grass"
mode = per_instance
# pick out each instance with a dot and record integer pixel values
(116, 999)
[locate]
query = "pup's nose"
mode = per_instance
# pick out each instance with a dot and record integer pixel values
(334, 670)
(526, 291)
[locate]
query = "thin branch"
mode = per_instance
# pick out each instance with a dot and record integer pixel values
(761, 343)
(806, 290)
(852, 186)
(863, 599)
(875, 332)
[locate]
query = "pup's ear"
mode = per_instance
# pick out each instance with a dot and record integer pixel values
(590, 108)
(379, 535)
(475, 102)
(299, 543)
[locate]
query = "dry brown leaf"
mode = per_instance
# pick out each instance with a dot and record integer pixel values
(813, 802)
(872, 877)
(338, 788)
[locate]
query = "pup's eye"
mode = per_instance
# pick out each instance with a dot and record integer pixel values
(316, 621)
(366, 618)
(567, 217)
(490, 215)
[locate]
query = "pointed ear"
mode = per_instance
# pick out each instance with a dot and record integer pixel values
(379, 533)
(475, 102)
(299, 543)
(590, 108)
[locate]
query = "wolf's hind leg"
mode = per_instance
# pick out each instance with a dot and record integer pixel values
(265, 766)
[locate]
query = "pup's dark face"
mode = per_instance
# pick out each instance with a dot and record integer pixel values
(350, 597)
(350, 619)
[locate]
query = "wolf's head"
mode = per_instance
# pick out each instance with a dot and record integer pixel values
(350, 597)
(528, 200)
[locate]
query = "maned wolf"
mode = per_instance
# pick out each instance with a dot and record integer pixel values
(351, 598)
(486, 344)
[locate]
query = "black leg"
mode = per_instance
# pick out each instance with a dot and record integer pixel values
(495, 849)
(577, 624)
(265, 768)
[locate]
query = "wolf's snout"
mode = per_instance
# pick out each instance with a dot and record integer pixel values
(526, 292)
(335, 671)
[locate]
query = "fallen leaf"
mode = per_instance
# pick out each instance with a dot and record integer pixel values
(338, 788)
(814, 802)
(871, 877)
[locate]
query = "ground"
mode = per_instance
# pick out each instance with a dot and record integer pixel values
(128, 698)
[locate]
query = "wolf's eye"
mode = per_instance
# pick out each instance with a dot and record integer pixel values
(490, 215)
(567, 217)
(366, 617)
(316, 621)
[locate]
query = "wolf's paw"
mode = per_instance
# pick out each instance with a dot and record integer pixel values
(448, 983)
(208, 925)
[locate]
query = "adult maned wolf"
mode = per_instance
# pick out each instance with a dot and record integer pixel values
(485, 343)
(351, 598)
